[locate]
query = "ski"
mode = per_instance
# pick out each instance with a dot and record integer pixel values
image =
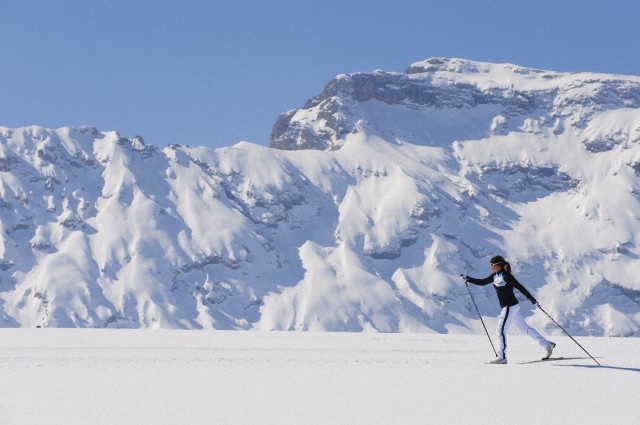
(551, 359)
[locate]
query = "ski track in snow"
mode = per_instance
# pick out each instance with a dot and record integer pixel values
(67, 376)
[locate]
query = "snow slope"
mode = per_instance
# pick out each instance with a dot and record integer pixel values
(411, 179)
(101, 377)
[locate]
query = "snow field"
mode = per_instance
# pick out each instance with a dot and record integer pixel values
(71, 376)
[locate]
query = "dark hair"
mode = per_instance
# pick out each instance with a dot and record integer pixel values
(500, 261)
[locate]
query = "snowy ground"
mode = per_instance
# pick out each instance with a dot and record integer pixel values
(56, 376)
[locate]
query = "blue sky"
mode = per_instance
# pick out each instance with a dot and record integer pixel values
(213, 73)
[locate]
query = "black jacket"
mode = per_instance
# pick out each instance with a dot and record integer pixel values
(504, 284)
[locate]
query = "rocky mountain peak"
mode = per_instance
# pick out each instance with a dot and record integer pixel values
(502, 98)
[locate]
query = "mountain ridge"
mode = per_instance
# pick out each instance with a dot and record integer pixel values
(439, 83)
(364, 225)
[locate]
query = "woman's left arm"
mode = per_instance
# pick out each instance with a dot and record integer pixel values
(511, 279)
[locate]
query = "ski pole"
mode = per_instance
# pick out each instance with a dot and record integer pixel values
(479, 315)
(538, 305)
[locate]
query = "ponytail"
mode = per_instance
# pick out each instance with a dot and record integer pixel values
(507, 267)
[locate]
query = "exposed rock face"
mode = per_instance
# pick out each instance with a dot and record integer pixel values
(531, 99)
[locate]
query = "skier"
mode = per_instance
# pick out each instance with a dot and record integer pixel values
(504, 282)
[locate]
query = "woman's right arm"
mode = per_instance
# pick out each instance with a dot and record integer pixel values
(480, 282)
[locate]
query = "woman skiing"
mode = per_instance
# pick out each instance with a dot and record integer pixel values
(504, 282)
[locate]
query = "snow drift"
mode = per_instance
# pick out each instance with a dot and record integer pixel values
(370, 202)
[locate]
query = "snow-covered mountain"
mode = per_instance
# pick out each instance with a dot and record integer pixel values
(370, 202)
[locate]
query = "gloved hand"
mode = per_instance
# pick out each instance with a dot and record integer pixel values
(533, 301)
(463, 277)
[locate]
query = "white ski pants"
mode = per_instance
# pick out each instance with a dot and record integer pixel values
(511, 315)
